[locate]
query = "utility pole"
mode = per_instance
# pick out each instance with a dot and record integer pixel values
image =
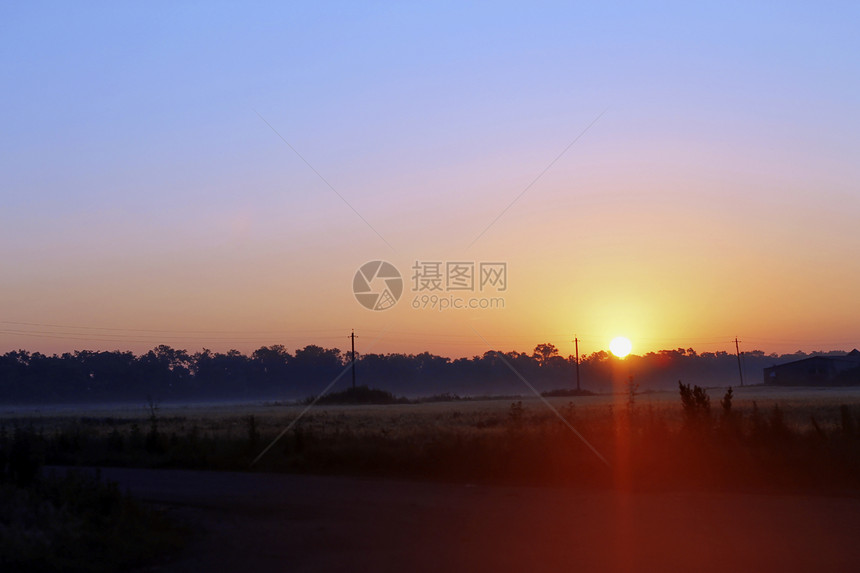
(576, 346)
(740, 369)
(352, 359)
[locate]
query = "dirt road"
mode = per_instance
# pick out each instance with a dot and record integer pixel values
(265, 522)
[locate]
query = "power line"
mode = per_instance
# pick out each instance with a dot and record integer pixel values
(153, 339)
(157, 331)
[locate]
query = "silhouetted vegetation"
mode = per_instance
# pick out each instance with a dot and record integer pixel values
(696, 406)
(358, 395)
(70, 521)
(271, 372)
(566, 392)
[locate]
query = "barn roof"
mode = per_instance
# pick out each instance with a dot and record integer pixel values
(853, 356)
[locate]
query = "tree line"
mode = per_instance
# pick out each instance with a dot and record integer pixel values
(272, 372)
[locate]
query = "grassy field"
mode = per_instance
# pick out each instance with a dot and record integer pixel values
(771, 437)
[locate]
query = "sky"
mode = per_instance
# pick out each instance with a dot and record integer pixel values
(214, 175)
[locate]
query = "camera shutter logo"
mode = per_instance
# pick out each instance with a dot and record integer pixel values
(377, 285)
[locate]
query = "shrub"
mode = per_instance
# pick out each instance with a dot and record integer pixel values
(515, 415)
(358, 395)
(776, 423)
(846, 420)
(726, 402)
(22, 457)
(696, 405)
(253, 433)
(76, 522)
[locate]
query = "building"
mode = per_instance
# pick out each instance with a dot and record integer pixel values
(816, 371)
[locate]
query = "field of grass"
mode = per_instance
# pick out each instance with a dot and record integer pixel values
(771, 437)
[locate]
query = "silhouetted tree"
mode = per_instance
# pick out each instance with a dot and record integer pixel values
(543, 352)
(166, 373)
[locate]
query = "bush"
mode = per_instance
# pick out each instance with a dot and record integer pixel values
(22, 457)
(358, 395)
(696, 405)
(75, 522)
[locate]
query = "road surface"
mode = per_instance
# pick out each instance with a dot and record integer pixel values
(266, 522)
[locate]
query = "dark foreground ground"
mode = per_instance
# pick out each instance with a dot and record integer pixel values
(267, 522)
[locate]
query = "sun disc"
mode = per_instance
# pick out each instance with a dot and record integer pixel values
(620, 346)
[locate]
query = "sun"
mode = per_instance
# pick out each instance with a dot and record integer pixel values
(620, 346)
